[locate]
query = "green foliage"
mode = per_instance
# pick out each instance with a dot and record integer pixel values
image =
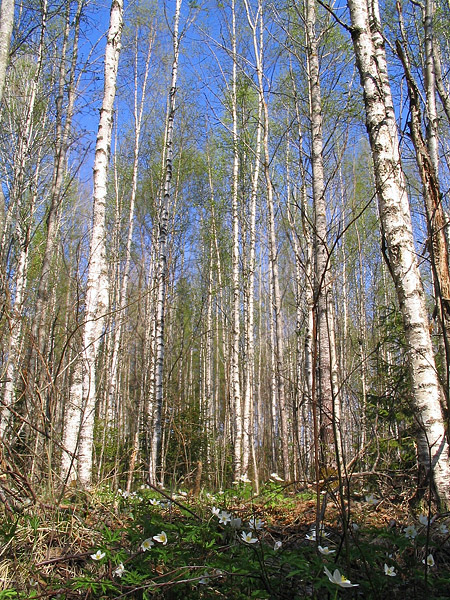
(205, 558)
(389, 403)
(9, 593)
(100, 589)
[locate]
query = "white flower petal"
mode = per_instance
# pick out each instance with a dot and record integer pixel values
(161, 538)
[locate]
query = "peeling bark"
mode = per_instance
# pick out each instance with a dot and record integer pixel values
(433, 451)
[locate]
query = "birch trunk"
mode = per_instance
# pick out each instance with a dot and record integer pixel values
(23, 190)
(322, 283)
(435, 216)
(79, 430)
(443, 93)
(432, 446)
(250, 279)
(63, 129)
(308, 395)
(162, 258)
(236, 400)
(258, 46)
(6, 27)
(122, 300)
(430, 87)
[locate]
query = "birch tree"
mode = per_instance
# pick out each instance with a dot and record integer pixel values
(161, 275)
(368, 43)
(235, 380)
(63, 126)
(327, 367)
(79, 424)
(24, 193)
(6, 27)
(138, 112)
(427, 158)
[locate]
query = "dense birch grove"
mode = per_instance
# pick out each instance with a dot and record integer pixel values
(224, 242)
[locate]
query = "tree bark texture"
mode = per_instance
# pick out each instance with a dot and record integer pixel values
(397, 228)
(6, 27)
(162, 258)
(79, 430)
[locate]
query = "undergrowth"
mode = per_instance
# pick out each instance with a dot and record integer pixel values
(234, 545)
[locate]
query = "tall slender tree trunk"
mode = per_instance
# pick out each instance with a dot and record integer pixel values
(25, 200)
(122, 299)
(236, 400)
(428, 164)
(79, 426)
(322, 286)
(257, 25)
(161, 274)
(308, 396)
(6, 27)
(250, 278)
(40, 370)
(63, 129)
(432, 446)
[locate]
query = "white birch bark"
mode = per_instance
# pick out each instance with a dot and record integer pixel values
(6, 27)
(236, 400)
(433, 451)
(322, 286)
(442, 91)
(307, 370)
(162, 258)
(427, 159)
(258, 47)
(63, 130)
(430, 88)
(122, 300)
(25, 213)
(79, 429)
(247, 441)
(209, 400)
(296, 377)
(13, 356)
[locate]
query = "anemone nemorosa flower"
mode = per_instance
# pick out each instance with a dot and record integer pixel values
(161, 538)
(339, 579)
(147, 544)
(119, 571)
(248, 538)
(389, 571)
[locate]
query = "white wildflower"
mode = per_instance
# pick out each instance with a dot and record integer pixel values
(430, 561)
(370, 499)
(255, 523)
(410, 532)
(339, 579)
(224, 517)
(424, 520)
(325, 550)
(236, 522)
(119, 571)
(147, 544)
(161, 538)
(248, 538)
(389, 571)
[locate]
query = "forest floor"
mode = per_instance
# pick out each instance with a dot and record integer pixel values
(281, 543)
